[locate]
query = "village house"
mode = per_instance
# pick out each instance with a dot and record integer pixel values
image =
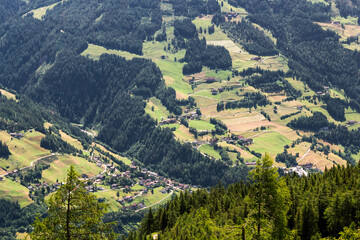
(256, 58)
(17, 135)
(351, 122)
(100, 177)
(213, 91)
(168, 121)
(213, 141)
(210, 80)
(228, 140)
(250, 163)
(128, 199)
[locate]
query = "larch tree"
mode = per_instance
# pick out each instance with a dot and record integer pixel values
(268, 202)
(73, 213)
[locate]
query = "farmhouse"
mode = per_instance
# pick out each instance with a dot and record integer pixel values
(17, 135)
(256, 58)
(213, 141)
(250, 163)
(246, 141)
(210, 80)
(100, 177)
(128, 199)
(167, 121)
(231, 15)
(228, 140)
(214, 91)
(351, 122)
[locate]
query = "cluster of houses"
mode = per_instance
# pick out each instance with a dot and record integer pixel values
(206, 80)
(298, 170)
(168, 121)
(237, 139)
(352, 122)
(215, 91)
(191, 115)
(187, 115)
(326, 90)
(230, 15)
(51, 187)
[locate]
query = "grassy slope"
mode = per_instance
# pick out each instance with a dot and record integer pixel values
(201, 125)
(209, 150)
(24, 150)
(58, 168)
(14, 191)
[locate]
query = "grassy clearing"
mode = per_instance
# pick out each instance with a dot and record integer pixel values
(227, 8)
(201, 125)
(24, 150)
(220, 74)
(218, 35)
(72, 141)
(348, 20)
(150, 198)
(243, 60)
(270, 142)
(352, 115)
(209, 150)
(40, 12)
(160, 112)
(95, 51)
(173, 76)
(123, 159)
(22, 235)
(14, 191)
(182, 133)
(8, 95)
(110, 198)
(58, 168)
(248, 157)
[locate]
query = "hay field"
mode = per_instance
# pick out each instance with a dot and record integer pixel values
(58, 169)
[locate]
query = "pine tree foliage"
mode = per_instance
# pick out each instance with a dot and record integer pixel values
(73, 213)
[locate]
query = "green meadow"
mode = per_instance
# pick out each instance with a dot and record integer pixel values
(209, 150)
(14, 191)
(58, 169)
(269, 142)
(201, 125)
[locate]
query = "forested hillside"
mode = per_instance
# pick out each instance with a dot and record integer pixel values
(154, 100)
(322, 205)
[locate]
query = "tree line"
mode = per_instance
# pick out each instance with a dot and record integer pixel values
(269, 207)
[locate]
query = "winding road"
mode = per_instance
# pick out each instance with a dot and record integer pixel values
(156, 202)
(32, 163)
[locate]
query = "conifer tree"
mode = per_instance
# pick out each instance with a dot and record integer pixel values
(73, 213)
(269, 202)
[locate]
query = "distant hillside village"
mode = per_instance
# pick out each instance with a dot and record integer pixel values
(111, 178)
